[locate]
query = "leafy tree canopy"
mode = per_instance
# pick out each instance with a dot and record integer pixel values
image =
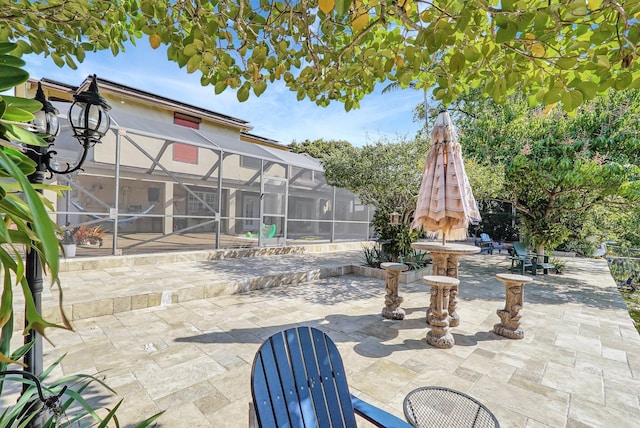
(486, 180)
(385, 174)
(319, 148)
(558, 169)
(328, 50)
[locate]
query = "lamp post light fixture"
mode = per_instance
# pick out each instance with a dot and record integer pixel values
(89, 119)
(46, 121)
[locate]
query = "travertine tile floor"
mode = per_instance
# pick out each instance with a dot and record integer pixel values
(577, 366)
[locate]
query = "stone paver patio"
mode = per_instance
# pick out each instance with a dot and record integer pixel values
(578, 364)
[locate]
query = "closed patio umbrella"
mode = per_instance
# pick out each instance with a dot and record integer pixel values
(445, 202)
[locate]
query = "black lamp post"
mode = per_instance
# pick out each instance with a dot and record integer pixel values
(89, 120)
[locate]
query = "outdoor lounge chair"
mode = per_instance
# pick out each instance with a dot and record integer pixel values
(523, 261)
(298, 380)
(520, 258)
(487, 244)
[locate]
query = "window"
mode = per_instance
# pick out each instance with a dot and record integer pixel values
(195, 206)
(250, 210)
(250, 162)
(185, 153)
(186, 120)
(153, 194)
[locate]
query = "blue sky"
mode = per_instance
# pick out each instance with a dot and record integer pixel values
(276, 114)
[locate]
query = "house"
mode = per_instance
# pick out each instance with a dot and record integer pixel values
(175, 175)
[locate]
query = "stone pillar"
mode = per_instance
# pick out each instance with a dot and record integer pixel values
(441, 286)
(446, 264)
(167, 225)
(514, 299)
(392, 301)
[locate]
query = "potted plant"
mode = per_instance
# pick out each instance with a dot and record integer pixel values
(92, 236)
(69, 242)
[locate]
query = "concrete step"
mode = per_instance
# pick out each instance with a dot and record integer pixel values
(108, 285)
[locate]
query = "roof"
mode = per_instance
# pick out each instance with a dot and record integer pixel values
(141, 125)
(257, 139)
(108, 86)
(259, 147)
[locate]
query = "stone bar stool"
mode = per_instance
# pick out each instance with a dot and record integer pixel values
(445, 263)
(392, 301)
(514, 299)
(441, 287)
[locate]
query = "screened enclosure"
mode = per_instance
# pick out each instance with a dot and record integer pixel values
(156, 186)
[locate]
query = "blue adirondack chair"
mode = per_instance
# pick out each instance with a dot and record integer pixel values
(485, 243)
(298, 380)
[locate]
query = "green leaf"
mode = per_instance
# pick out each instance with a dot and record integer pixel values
(12, 61)
(342, 6)
(194, 63)
(23, 136)
(28, 104)
(80, 54)
(635, 84)
(57, 59)
(259, 87)
(243, 93)
(42, 224)
(190, 50)
(540, 21)
(508, 5)
(552, 96)
(5, 48)
(220, 87)
(68, 59)
(588, 89)
(623, 81)
(499, 90)
(472, 54)
(566, 63)
(17, 115)
(10, 77)
(571, 100)
(594, 4)
(456, 64)
(506, 34)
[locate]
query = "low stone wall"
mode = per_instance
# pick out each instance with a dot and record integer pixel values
(90, 263)
(563, 254)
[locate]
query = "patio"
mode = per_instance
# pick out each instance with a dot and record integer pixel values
(578, 364)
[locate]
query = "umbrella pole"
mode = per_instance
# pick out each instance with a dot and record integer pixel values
(445, 158)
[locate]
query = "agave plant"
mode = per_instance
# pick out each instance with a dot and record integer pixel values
(58, 403)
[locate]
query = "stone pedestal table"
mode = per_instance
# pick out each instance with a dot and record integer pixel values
(392, 301)
(445, 263)
(514, 299)
(441, 286)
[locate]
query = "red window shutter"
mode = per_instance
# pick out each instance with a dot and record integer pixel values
(182, 121)
(186, 120)
(185, 153)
